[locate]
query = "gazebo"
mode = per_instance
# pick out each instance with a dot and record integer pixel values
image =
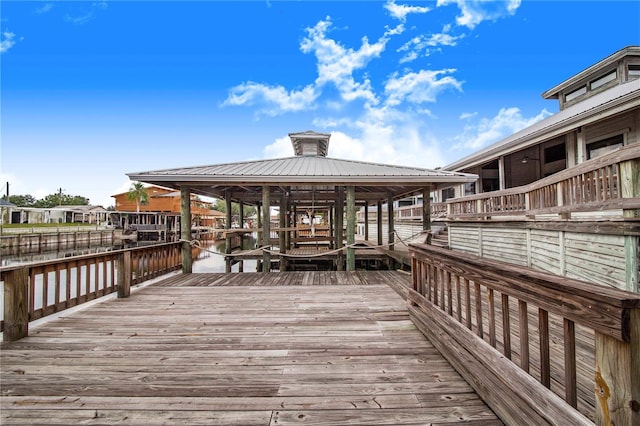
(308, 182)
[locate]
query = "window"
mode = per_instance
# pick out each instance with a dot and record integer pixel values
(578, 92)
(448, 193)
(603, 80)
(555, 153)
(599, 148)
(634, 71)
(469, 188)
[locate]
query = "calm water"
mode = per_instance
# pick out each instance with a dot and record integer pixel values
(208, 259)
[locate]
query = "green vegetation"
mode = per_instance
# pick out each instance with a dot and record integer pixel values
(51, 200)
(221, 206)
(138, 193)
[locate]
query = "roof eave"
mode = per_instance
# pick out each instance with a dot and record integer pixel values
(506, 146)
(290, 180)
(553, 93)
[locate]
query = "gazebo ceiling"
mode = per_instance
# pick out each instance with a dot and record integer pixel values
(309, 176)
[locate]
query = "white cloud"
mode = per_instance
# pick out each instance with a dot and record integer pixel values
(423, 86)
(489, 130)
(475, 12)
(276, 99)
(467, 115)
(19, 187)
(400, 11)
(7, 41)
(87, 15)
(44, 8)
(336, 64)
(417, 45)
(281, 148)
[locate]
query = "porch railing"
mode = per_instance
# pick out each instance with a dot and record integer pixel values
(531, 340)
(603, 183)
(36, 290)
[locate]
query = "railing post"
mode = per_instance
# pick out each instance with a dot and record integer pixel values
(617, 385)
(630, 188)
(124, 274)
(16, 305)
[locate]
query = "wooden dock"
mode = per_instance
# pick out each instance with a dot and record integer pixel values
(239, 349)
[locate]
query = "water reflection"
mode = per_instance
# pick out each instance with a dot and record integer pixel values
(210, 258)
(207, 259)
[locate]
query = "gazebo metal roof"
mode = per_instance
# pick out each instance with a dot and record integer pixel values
(302, 176)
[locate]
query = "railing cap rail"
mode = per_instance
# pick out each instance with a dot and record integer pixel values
(4, 269)
(625, 153)
(601, 308)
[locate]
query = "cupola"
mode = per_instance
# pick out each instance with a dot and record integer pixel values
(310, 143)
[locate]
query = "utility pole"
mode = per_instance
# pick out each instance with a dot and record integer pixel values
(60, 196)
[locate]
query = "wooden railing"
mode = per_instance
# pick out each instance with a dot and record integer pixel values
(595, 185)
(531, 343)
(36, 290)
(414, 212)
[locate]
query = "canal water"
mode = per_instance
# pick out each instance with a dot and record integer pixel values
(209, 258)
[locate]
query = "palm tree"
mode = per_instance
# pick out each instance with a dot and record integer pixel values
(138, 193)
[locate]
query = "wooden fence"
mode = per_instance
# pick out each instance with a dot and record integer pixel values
(607, 182)
(36, 290)
(533, 344)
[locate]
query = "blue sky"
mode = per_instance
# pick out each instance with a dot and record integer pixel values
(91, 91)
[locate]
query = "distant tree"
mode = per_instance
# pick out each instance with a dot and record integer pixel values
(58, 199)
(221, 206)
(138, 193)
(74, 200)
(22, 200)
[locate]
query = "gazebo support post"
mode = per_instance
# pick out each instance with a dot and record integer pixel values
(379, 222)
(282, 236)
(185, 229)
(390, 220)
(266, 228)
(351, 227)
(426, 208)
(227, 239)
(339, 228)
(366, 222)
(241, 262)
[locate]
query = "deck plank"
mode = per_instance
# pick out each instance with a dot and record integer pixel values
(250, 348)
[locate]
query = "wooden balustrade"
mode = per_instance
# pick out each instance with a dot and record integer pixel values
(36, 290)
(594, 185)
(532, 344)
(414, 212)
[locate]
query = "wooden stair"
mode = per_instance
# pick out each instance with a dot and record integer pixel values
(440, 238)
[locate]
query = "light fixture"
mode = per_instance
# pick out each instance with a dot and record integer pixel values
(526, 159)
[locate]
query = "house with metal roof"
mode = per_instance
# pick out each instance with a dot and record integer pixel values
(599, 112)
(310, 182)
(562, 195)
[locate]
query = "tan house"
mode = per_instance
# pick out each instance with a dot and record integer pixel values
(163, 200)
(562, 195)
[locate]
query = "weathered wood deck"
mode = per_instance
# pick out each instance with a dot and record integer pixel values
(246, 349)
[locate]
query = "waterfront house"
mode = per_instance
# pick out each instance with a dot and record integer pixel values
(164, 204)
(561, 195)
